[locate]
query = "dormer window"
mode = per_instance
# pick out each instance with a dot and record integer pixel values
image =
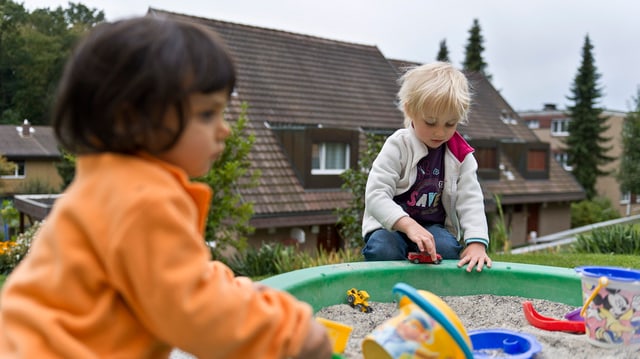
(319, 155)
(487, 158)
(563, 159)
(536, 160)
(560, 127)
(329, 158)
(533, 124)
(507, 118)
(486, 153)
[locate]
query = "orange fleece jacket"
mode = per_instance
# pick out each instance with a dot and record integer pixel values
(120, 270)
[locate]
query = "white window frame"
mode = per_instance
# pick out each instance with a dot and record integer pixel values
(625, 198)
(18, 172)
(563, 158)
(322, 150)
(533, 124)
(560, 127)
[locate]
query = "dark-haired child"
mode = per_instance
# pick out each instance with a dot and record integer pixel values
(120, 268)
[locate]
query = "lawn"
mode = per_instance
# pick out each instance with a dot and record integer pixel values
(571, 260)
(566, 260)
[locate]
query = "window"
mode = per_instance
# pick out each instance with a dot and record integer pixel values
(625, 198)
(16, 172)
(329, 158)
(507, 118)
(560, 127)
(563, 159)
(487, 158)
(536, 160)
(533, 124)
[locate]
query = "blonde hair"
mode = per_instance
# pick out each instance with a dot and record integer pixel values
(432, 90)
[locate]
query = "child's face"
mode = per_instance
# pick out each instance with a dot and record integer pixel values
(433, 131)
(202, 141)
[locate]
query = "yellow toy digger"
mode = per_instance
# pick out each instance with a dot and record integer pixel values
(358, 299)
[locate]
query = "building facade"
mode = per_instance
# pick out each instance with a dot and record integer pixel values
(551, 125)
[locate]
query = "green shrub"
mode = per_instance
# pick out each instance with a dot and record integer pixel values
(586, 212)
(499, 232)
(618, 239)
(276, 258)
(253, 262)
(13, 254)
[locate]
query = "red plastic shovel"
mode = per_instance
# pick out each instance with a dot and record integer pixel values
(539, 321)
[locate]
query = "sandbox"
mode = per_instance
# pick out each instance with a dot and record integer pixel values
(326, 285)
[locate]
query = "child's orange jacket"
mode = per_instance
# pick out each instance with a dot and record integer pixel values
(120, 270)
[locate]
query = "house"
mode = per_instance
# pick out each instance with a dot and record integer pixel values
(535, 191)
(311, 100)
(34, 151)
(551, 125)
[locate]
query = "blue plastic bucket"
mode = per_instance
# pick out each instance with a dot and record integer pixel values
(503, 343)
(611, 309)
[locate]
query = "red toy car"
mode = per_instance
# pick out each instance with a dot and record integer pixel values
(423, 257)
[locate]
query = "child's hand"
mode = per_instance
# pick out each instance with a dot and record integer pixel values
(475, 254)
(317, 345)
(417, 234)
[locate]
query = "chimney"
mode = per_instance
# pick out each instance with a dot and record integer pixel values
(549, 107)
(25, 130)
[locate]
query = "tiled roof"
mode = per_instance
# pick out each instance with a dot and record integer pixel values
(486, 122)
(40, 143)
(486, 112)
(293, 79)
(561, 186)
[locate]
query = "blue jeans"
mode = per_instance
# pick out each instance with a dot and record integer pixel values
(384, 245)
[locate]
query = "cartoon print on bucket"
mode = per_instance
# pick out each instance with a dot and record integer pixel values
(611, 305)
(424, 327)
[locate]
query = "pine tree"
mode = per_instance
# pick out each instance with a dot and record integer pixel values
(586, 144)
(443, 53)
(473, 60)
(629, 172)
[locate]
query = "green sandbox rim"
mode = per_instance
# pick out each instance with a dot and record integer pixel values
(327, 285)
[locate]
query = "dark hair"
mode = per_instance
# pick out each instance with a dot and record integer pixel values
(123, 78)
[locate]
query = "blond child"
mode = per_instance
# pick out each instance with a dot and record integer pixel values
(120, 268)
(422, 192)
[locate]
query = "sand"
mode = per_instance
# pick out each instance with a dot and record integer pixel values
(484, 312)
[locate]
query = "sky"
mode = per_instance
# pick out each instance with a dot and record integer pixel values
(533, 48)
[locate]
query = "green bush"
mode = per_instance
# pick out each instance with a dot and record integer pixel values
(586, 212)
(276, 258)
(618, 239)
(253, 262)
(499, 231)
(18, 249)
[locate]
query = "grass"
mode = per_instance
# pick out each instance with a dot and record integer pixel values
(565, 260)
(571, 260)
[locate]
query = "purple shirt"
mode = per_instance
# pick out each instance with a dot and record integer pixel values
(422, 201)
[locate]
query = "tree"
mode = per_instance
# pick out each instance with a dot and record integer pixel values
(66, 168)
(12, 16)
(586, 143)
(228, 218)
(629, 172)
(6, 167)
(473, 60)
(443, 52)
(355, 181)
(33, 49)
